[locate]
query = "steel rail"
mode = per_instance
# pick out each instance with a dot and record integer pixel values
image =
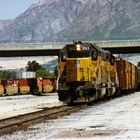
(20, 122)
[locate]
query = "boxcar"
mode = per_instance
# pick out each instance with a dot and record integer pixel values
(127, 74)
(138, 70)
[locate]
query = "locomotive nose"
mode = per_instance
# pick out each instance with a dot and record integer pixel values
(77, 69)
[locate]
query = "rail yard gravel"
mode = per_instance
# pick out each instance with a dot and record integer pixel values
(115, 119)
(22, 104)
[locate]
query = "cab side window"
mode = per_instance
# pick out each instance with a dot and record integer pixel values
(103, 56)
(107, 56)
(112, 60)
(63, 56)
(94, 54)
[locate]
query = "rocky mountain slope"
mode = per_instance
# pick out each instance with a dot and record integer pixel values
(4, 23)
(67, 20)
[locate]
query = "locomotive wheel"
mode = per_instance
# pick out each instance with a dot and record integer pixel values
(70, 101)
(106, 95)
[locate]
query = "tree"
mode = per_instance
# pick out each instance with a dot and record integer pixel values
(40, 71)
(5, 74)
(44, 73)
(33, 66)
(138, 64)
(55, 71)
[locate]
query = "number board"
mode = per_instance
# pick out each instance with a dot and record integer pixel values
(83, 48)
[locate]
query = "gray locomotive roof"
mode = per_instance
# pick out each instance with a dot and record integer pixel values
(92, 46)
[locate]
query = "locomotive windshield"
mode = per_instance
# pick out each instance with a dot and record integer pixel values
(78, 50)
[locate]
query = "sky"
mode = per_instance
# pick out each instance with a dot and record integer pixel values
(10, 9)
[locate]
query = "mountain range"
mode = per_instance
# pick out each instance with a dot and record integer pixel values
(67, 20)
(4, 23)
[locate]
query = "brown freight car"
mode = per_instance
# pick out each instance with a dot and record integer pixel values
(134, 78)
(138, 70)
(127, 75)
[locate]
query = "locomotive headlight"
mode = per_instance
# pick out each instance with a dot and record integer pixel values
(78, 47)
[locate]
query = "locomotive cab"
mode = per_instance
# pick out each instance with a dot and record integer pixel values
(75, 60)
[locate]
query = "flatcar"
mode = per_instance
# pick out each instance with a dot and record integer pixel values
(87, 72)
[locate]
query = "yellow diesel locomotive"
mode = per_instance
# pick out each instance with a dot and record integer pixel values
(86, 73)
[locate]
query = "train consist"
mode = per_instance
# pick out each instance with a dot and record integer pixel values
(25, 86)
(87, 73)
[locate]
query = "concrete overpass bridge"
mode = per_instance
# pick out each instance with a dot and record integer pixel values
(53, 48)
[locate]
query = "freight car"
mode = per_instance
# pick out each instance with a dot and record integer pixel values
(87, 72)
(25, 86)
(14, 87)
(138, 69)
(127, 75)
(41, 85)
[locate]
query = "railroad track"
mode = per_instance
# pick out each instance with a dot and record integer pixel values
(19, 122)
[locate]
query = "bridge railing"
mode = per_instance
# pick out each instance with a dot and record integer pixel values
(59, 45)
